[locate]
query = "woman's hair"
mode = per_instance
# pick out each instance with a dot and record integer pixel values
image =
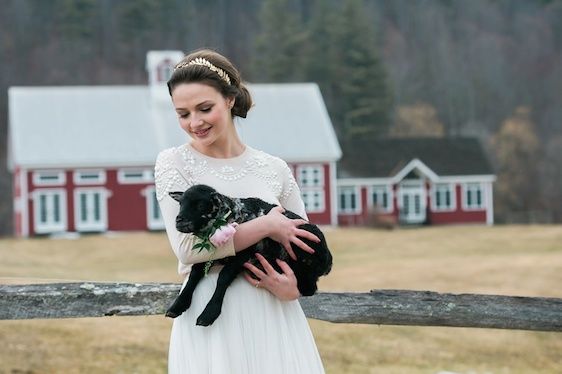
(213, 69)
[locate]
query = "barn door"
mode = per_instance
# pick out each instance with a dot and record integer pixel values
(49, 211)
(90, 210)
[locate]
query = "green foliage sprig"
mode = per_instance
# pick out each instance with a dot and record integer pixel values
(205, 243)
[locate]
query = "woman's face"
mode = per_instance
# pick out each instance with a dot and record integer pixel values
(203, 112)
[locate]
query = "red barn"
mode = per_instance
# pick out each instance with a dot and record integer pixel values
(83, 157)
(415, 181)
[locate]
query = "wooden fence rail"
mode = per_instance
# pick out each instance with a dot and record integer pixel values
(382, 307)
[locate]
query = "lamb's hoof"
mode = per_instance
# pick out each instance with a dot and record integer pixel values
(203, 321)
(171, 314)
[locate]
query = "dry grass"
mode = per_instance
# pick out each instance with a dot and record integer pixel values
(515, 260)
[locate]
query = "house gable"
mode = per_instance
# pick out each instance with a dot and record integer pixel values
(414, 166)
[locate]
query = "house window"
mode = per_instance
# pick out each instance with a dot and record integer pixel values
(90, 209)
(381, 197)
(444, 196)
(49, 211)
(131, 176)
(473, 196)
(49, 178)
(310, 176)
(313, 200)
(153, 215)
(89, 177)
(349, 200)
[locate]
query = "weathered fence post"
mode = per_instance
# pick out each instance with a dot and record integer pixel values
(425, 308)
(382, 307)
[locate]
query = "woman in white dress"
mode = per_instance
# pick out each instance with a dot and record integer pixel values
(262, 328)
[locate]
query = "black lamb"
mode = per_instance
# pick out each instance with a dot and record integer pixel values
(201, 206)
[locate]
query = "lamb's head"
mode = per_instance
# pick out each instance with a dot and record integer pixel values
(199, 205)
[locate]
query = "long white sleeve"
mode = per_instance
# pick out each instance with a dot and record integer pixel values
(168, 178)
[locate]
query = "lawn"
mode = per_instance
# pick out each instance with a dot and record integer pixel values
(509, 260)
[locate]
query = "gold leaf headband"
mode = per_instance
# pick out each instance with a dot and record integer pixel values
(203, 62)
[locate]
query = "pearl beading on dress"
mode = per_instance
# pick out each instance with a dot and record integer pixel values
(168, 176)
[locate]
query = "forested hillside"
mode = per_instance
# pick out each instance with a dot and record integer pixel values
(487, 68)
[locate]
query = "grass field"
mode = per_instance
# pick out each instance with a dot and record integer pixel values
(510, 260)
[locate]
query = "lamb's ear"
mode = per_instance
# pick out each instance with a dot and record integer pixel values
(176, 195)
(215, 196)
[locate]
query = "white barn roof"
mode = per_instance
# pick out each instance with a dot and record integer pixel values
(290, 121)
(81, 126)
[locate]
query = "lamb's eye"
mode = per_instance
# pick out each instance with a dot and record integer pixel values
(203, 206)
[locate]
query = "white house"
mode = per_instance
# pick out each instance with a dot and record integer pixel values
(416, 181)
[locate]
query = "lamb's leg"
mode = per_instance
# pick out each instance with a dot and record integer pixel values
(183, 301)
(226, 276)
(307, 285)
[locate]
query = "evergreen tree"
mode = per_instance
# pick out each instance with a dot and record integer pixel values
(76, 19)
(137, 18)
(363, 101)
(279, 47)
(137, 23)
(76, 26)
(320, 51)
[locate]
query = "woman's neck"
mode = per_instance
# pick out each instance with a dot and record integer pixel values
(229, 148)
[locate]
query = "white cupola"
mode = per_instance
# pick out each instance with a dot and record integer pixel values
(160, 65)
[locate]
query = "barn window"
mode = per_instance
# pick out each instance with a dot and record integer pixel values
(473, 196)
(349, 200)
(310, 176)
(381, 197)
(444, 196)
(89, 177)
(49, 178)
(49, 211)
(310, 179)
(165, 70)
(131, 176)
(313, 200)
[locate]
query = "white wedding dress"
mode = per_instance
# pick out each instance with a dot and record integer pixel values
(256, 332)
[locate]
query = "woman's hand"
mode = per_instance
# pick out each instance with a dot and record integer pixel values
(286, 231)
(282, 285)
